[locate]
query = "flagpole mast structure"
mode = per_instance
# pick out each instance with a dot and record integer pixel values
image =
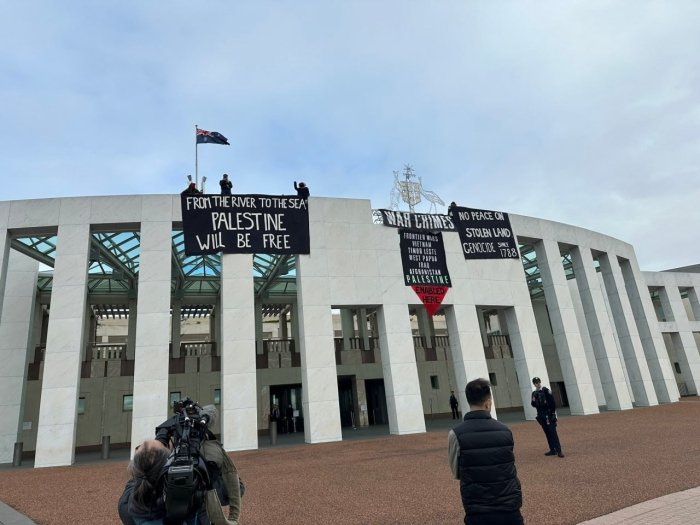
(196, 157)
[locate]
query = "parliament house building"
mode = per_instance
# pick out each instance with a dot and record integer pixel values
(106, 318)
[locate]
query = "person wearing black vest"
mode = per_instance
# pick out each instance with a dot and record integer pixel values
(481, 457)
(543, 401)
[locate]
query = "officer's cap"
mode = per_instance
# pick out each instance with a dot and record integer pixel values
(536, 380)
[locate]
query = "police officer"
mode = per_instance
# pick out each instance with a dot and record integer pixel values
(543, 401)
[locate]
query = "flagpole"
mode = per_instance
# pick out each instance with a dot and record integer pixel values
(196, 157)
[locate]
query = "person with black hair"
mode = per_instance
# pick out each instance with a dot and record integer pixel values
(191, 189)
(543, 401)
(480, 453)
(142, 501)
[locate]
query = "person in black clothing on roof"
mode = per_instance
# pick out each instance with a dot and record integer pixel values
(481, 457)
(191, 189)
(226, 185)
(302, 190)
(543, 401)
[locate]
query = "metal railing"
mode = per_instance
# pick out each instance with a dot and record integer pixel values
(197, 348)
(106, 351)
(356, 343)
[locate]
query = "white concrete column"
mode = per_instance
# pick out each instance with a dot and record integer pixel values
(425, 327)
(318, 374)
(213, 314)
(58, 412)
(467, 348)
(347, 325)
(257, 309)
(403, 397)
(694, 303)
(652, 342)
(151, 362)
(283, 325)
(684, 341)
(527, 352)
(239, 425)
(635, 361)
(217, 324)
(4, 247)
(482, 327)
(587, 344)
(362, 326)
(90, 330)
(15, 347)
(176, 328)
(612, 377)
(294, 323)
(131, 335)
(567, 338)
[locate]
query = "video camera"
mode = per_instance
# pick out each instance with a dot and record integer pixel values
(186, 476)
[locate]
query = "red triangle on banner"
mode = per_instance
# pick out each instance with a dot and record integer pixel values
(430, 296)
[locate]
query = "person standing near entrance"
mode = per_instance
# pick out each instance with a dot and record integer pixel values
(290, 419)
(480, 452)
(275, 414)
(543, 401)
(454, 404)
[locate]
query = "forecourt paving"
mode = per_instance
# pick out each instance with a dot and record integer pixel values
(614, 460)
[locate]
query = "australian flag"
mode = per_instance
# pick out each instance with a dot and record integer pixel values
(211, 137)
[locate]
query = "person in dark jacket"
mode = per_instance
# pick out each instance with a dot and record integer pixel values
(226, 185)
(543, 401)
(191, 189)
(302, 190)
(453, 404)
(481, 457)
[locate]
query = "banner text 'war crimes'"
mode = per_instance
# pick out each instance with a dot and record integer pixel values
(245, 224)
(417, 221)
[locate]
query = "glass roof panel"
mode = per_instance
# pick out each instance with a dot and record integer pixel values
(532, 270)
(115, 258)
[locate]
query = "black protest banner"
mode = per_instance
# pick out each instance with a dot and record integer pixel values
(485, 234)
(425, 266)
(245, 224)
(423, 258)
(417, 221)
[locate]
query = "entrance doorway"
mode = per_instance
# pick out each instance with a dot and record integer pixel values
(288, 399)
(376, 402)
(346, 400)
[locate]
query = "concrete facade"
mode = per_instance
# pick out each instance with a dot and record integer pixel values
(353, 342)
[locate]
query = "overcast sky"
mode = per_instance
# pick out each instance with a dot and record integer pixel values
(582, 112)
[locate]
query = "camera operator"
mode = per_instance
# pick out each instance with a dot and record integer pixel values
(203, 443)
(142, 501)
(176, 478)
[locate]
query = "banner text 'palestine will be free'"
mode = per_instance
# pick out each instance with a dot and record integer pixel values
(273, 224)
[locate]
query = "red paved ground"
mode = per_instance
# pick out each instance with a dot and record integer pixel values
(613, 460)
